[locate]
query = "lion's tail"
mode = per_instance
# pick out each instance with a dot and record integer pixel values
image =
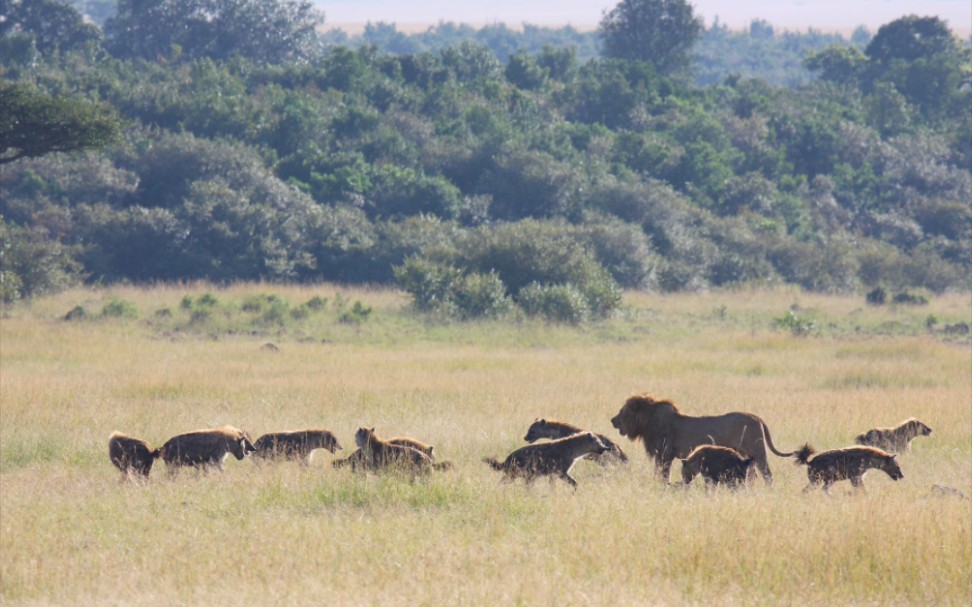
(803, 455)
(494, 463)
(769, 443)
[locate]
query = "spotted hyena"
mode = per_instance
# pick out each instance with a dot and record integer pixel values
(553, 429)
(717, 465)
(849, 463)
(894, 440)
(206, 449)
(384, 455)
(553, 458)
(131, 455)
(295, 445)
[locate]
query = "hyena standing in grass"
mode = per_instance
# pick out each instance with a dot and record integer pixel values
(206, 449)
(717, 465)
(849, 463)
(384, 455)
(553, 429)
(894, 440)
(295, 445)
(553, 458)
(130, 454)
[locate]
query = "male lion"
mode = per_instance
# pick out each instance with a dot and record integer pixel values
(894, 440)
(667, 433)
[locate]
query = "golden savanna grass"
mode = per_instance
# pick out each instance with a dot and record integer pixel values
(70, 533)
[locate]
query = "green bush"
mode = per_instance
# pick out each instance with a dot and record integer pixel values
(801, 327)
(557, 303)
(429, 283)
(482, 296)
(119, 308)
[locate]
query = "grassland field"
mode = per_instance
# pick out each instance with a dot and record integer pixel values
(155, 362)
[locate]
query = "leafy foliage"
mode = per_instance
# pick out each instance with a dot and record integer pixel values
(33, 124)
(660, 32)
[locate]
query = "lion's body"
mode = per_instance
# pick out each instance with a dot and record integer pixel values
(553, 429)
(717, 465)
(130, 454)
(206, 448)
(384, 455)
(553, 458)
(668, 434)
(295, 445)
(850, 463)
(894, 440)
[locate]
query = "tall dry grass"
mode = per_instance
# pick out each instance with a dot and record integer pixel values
(70, 533)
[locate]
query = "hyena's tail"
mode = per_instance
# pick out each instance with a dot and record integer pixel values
(803, 454)
(492, 461)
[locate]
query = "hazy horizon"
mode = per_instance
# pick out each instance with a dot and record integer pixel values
(794, 15)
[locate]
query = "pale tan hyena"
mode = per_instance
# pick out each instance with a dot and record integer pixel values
(554, 429)
(849, 463)
(295, 445)
(553, 458)
(206, 449)
(894, 440)
(357, 458)
(717, 465)
(130, 454)
(384, 455)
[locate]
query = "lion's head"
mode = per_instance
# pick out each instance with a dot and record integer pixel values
(643, 416)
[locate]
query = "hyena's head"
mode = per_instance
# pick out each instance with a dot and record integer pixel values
(331, 443)
(890, 465)
(241, 446)
(923, 430)
(598, 446)
(537, 431)
(363, 437)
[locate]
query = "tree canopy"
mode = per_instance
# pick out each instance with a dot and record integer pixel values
(33, 124)
(659, 32)
(264, 31)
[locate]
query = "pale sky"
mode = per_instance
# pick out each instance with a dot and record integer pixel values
(799, 15)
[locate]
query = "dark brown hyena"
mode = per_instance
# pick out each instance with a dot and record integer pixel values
(718, 465)
(849, 463)
(206, 448)
(295, 445)
(384, 455)
(553, 429)
(894, 440)
(130, 454)
(553, 458)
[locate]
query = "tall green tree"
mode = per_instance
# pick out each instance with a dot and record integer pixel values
(661, 32)
(33, 124)
(52, 25)
(264, 31)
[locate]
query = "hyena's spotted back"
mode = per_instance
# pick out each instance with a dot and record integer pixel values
(553, 458)
(850, 463)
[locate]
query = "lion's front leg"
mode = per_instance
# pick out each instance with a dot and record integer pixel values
(663, 468)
